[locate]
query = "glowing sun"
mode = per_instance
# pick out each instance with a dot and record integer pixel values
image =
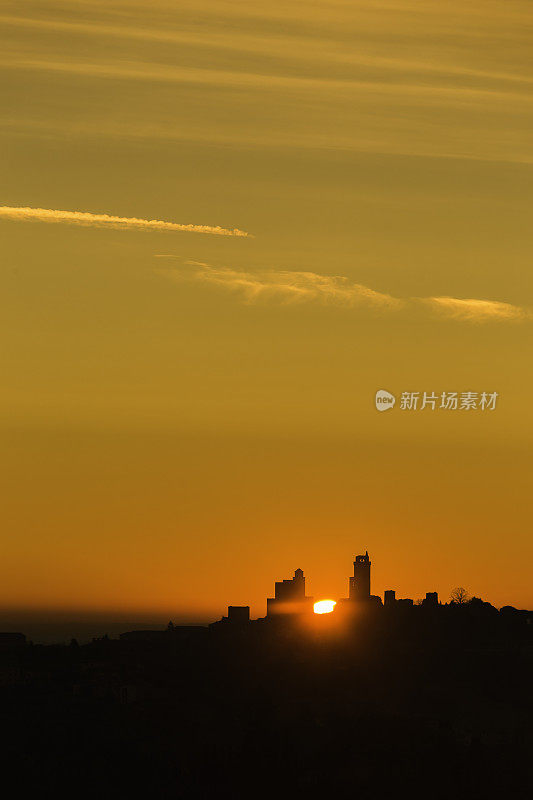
(324, 606)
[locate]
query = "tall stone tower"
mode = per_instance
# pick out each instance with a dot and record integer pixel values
(360, 583)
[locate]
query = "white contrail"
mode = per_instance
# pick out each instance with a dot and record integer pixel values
(24, 213)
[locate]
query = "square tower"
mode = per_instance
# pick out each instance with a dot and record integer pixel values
(360, 583)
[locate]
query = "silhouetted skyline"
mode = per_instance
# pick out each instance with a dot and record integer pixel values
(290, 599)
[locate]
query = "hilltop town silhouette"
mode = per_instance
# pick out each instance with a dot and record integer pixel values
(290, 598)
(290, 605)
(377, 697)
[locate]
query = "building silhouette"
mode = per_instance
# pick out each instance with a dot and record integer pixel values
(289, 596)
(238, 617)
(239, 614)
(389, 597)
(432, 599)
(405, 602)
(359, 584)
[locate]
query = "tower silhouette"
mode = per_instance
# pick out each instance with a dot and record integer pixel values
(360, 583)
(289, 596)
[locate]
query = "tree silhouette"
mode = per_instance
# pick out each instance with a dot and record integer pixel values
(460, 596)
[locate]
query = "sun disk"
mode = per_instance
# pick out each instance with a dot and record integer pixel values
(324, 606)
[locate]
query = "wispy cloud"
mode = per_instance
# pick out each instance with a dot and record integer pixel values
(396, 78)
(286, 287)
(283, 286)
(295, 46)
(86, 218)
(474, 310)
(415, 92)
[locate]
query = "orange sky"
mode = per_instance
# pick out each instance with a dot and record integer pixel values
(187, 412)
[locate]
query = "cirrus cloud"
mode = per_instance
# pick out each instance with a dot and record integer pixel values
(283, 286)
(292, 287)
(474, 310)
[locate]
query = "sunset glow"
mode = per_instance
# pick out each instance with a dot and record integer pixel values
(324, 606)
(206, 319)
